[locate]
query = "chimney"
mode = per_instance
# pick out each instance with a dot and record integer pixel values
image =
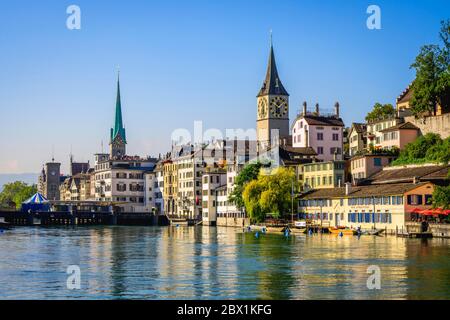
(305, 105)
(317, 109)
(336, 109)
(348, 188)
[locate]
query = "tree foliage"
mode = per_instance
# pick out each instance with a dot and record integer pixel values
(428, 148)
(441, 197)
(249, 173)
(269, 193)
(380, 111)
(16, 192)
(432, 81)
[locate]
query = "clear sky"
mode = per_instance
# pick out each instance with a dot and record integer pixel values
(190, 60)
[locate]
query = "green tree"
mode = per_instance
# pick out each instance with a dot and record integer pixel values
(249, 172)
(432, 81)
(441, 197)
(428, 148)
(380, 111)
(16, 192)
(269, 194)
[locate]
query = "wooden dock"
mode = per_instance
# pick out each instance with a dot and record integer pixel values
(18, 218)
(416, 235)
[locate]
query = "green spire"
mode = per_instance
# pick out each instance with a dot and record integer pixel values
(118, 130)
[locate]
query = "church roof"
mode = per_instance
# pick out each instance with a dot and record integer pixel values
(272, 83)
(118, 129)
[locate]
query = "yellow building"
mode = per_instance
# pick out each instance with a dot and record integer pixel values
(319, 175)
(170, 187)
(380, 206)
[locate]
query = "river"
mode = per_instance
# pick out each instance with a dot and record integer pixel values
(216, 263)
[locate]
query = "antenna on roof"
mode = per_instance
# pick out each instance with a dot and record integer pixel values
(53, 153)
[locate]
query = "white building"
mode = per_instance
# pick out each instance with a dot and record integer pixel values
(214, 191)
(124, 182)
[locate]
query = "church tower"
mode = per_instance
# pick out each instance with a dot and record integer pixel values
(118, 137)
(273, 107)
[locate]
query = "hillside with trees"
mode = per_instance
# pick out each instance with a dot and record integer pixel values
(429, 148)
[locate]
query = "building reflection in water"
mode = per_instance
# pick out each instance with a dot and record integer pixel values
(217, 263)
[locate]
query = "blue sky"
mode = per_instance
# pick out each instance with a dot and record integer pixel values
(183, 61)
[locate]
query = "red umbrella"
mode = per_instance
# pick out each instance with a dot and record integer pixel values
(442, 211)
(416, 210)
(427, 212)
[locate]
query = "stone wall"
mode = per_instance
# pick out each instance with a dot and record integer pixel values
(438, 230)
(232, 222)
(438, 124)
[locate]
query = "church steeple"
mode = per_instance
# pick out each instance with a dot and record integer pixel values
(118, 124)
(272, 84)
(272, 118)
(118, 136)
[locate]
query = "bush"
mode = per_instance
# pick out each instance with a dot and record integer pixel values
(429, 148)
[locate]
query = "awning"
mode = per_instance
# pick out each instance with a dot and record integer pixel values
(434, 212)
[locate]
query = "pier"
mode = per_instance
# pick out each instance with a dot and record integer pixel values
(16, 218)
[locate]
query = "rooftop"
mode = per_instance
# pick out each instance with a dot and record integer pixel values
(321, 120)
(401, 126)
(363, 191)
(409, 173)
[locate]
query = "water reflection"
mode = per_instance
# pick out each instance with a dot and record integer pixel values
(216, 263)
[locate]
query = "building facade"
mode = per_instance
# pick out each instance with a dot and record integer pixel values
(357, 139)
(323, 175)
(323, 133)
(397, 137)
(364, 166)
(49, 181)
(373, 206)
(214, 187)
(375, 131)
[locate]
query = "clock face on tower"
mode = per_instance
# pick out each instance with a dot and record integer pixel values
(262, 109)
(278, 107)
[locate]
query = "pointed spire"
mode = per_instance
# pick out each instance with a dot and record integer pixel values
(118, 124)
(272, 83)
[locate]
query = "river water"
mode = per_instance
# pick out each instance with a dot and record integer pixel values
(216, 263)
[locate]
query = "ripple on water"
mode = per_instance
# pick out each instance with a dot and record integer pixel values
(216, 263)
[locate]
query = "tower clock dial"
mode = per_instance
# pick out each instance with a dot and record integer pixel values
(262, 109)
(279, 107)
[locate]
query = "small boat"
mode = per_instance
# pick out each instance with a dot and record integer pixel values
(344, 232)
(373, 232)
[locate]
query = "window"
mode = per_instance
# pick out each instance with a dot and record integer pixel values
(377, 162)
(319, 150)
(335, 137)
(428, 199)
(335, 151)
(320, 136)
(415, 199)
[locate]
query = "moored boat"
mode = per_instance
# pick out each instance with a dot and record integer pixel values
(337, 231)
